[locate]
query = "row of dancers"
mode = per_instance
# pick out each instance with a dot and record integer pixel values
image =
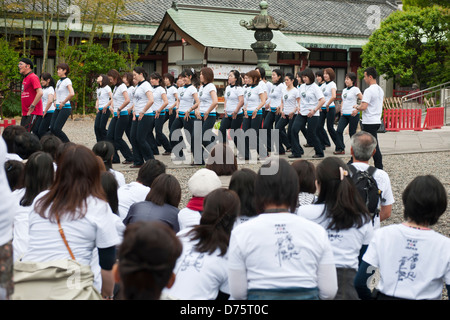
(139, 105)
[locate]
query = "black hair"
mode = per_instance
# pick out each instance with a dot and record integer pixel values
(141, 70)
(156, 75)
(352, 76)
(292, 77)
(50, 144)
(343, 203)
(319, 73)
(262, 72)
(26, 144)
(113, 73)
(243, 183)
(105, 80)
(280, 73)
(105, 150)
(371, 71)
(238, 77)
(424, 200)
(9, 135)
(38, 176)
(165, 189)
(309, 74)
(190, 73)
(306, 172)
(280, 188)
(110, 186)
(170, 77)
(149, 171)
(147, 257)
(47, 76)
(220, 209)
(15, 174)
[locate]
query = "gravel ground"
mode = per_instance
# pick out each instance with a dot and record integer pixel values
(402, 168)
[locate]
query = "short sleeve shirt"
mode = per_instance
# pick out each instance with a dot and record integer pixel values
(327, 89)
(29, 86)
(204, 94)
(140, 96)
(232, 94)
(158, 101)
(186, 96)
(309, 98)
(290, 100)
(118, 98)
(171, 92)
(373, 96)
(62, 90)
(349, 99)
(45, 96)
(253, 98)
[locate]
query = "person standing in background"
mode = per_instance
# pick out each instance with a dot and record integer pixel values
(30, 97)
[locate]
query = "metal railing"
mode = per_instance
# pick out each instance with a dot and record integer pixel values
(437, 96)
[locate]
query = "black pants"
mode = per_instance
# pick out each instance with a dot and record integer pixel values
(116, 129)
(299, 123)
(285, 138)
(228, 122)
(101, 120)
(373, 130)
(344, 120)
(59, 119)
(44, 126)
(161, 138)
(255, 124)
(31, 123)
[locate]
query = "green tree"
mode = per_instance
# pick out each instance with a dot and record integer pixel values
(411, 46)
(8, 71)
(86, 62)
(425, 3)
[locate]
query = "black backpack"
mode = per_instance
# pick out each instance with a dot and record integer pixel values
(368, 188)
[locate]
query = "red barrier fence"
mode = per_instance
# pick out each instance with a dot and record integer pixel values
(7, 123)
(402, 119)
(434, 118)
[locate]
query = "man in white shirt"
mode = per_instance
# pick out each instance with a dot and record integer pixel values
(372, 108)
(362, 149)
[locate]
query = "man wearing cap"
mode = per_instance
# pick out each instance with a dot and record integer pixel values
(31, 96)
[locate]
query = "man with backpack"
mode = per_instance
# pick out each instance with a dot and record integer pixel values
(372, 183)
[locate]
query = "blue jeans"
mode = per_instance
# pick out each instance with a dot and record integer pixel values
(352, 122)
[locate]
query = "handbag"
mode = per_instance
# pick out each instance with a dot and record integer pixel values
(64, 279)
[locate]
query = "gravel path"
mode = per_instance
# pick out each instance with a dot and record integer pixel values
(402, 168)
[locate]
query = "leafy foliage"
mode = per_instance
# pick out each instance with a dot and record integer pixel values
(411, 46)
(9, 72)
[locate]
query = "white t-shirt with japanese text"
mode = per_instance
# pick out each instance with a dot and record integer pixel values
(413, 263)
(199, 276)
(347, 243)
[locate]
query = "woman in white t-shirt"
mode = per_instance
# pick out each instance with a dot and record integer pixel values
(128, 80)
(38, 176)
(328, 110)
(140, 128)
(207, 94)
(117, 126)
(350, 96)
(186, 115)
(77, 203)
(172, 98)
(253, 114)
(290, 104)
(233, 103)
(105, 150)
(48, 103)
(413, 260)
(103, 105)
(201, 270)
(273, 105)
(158, 115)
(279, 255)
(344, 215)
(311, 100)
(63, 94)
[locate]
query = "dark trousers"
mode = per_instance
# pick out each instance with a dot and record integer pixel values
(268, 125)
(228, 122)
(255, 124)
(161, 138)
(58, 121)
(373, 130)
(44, 126)
(31, 123)
(116, 129)
(139, 140)
(177, 125)
(101, 120)
(208, 136)
(299, 123)
(346, 288)
(344, 120)
(328, 117)
(284, 138)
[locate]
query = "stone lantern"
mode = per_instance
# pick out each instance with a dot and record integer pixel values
(263, 25)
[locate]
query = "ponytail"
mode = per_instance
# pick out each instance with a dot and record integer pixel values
(291, 76)
(193, 75)
(238, 77)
